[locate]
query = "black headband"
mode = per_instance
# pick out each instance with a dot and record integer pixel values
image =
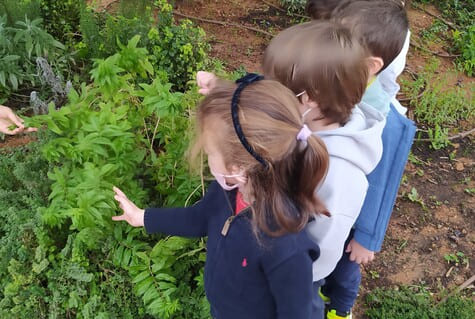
(242, 83)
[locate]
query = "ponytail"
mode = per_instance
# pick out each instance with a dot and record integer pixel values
(286, 192)
(259, 129)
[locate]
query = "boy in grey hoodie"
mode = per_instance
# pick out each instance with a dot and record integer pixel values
(323, 63)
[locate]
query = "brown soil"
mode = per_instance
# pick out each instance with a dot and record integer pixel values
(17, 140)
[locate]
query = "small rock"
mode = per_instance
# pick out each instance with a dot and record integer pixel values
(454, 238)
(459, 166)
(456, 145)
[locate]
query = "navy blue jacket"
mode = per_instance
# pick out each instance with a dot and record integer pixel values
(371, 225)
(244, 278)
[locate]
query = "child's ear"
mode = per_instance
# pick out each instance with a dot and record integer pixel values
(375, 64)
(308, 102)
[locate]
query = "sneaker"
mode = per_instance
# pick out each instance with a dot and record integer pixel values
(333, 314)
(325, 299)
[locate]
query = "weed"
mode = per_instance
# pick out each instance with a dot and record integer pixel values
(374, 274)
(414, 303)
(457, 258)
(440, 107)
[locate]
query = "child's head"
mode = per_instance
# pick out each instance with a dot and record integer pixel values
(322, 9)
(380, 24)
(283, 172)
(324, 60)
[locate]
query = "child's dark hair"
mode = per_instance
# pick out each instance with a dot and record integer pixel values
(322, 9)
(380, 24)
(323, 59)
(283, 185)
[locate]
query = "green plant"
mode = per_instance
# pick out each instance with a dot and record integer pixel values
(465, 43)
(457, 258)
(415, 303)
(294, 6)
(460, 16)
(16, 10)
(20, 46)
(438, 106)
(176, 49)
(61, 19)
(118, 131)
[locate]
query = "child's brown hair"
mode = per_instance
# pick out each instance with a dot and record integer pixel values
(381, 25)
(322, 9)
(283, 184)
(323, 59)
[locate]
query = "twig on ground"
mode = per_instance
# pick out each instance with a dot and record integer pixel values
(227, 24)
(283, 10)
(453, 137)
(451, 25)
(467, 283)
(415, 45)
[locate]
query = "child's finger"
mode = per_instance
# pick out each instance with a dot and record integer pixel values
(118, 218)
(119, 192)
(15, 119)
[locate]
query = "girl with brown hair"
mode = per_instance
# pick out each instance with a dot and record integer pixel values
(259, 259)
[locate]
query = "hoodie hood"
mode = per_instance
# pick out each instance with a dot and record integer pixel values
(359, 140)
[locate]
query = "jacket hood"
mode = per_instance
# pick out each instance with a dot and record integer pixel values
(359, 140)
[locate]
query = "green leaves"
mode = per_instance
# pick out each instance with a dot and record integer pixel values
(158, 99)
(20, 45)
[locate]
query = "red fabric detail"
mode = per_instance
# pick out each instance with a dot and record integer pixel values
(240, 203)
(244, 262)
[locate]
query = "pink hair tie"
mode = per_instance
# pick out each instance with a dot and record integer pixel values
(304, 133)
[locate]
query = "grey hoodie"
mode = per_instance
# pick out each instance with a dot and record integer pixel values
(355, 149)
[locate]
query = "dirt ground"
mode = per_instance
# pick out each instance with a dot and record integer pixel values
(425, 230)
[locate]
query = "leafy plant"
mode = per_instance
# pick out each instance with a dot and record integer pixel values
(108, 134)
(465, 43)
(294, 6)
(414, 302)
(20, 46)
(61, 18)
(438, 106)
(178, 50)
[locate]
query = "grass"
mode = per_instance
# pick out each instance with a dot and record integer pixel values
(439, 106)
(416, 303)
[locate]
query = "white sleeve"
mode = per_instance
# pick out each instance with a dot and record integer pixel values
(343, 193)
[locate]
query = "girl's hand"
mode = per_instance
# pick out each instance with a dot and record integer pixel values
(359, 254)
(132, 214)
(205, 81)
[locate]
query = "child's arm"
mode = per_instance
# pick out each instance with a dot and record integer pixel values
(372, 223)
(291, 285)
(184, 221)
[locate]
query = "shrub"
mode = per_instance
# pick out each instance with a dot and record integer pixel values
(416, 302)
(179, 50)
(107, 135)
(294, 6)
(20, 46)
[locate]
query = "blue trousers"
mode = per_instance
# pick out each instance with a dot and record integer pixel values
(343, 284)
(318, 304)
